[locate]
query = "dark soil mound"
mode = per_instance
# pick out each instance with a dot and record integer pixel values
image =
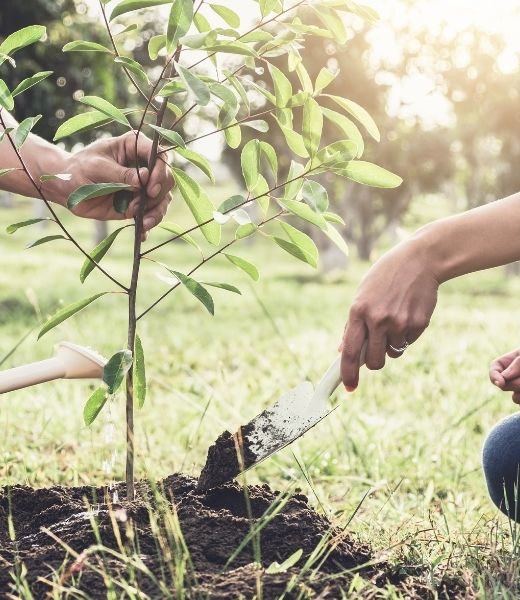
(225, 561)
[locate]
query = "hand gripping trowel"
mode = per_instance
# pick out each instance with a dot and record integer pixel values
(282, 423)
(69, 362)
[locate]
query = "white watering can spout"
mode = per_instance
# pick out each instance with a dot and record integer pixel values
(69, 362)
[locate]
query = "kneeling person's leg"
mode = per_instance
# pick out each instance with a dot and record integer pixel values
(501, 462)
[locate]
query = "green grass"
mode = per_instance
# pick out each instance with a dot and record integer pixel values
(410, 437)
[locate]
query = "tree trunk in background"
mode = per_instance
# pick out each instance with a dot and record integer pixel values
(100, 232)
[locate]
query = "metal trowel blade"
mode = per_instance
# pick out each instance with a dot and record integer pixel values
(282, 423)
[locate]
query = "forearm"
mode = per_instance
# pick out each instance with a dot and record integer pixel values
(482, 238)
(39, 156)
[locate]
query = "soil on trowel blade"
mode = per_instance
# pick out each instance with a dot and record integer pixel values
(53, 539)
(228, 456)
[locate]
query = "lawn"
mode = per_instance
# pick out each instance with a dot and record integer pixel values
(400, 457)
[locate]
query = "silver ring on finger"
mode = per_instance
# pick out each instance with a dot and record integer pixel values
(399, 350)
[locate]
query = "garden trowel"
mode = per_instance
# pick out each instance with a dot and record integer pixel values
(282, 423)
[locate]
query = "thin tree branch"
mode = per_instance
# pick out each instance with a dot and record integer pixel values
(247, 201)
(202, 263)
(53, 212)
(116, 50)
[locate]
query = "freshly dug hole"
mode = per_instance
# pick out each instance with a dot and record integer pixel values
(213, 524)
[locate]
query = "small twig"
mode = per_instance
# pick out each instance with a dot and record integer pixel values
(118, 54)
(247, 201)
(203, 262)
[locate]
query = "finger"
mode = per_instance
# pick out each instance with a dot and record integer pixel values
(161, 180)
(354, 339)
(512, 385)
(396, 341)
(516, 397)
(376, 349)
(155, 215)
(495, 375)
(513, 370)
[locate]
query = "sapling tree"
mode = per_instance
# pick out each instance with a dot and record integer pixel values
(203, 61)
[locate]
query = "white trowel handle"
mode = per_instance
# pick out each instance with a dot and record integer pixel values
(71, 362)
(332, 378)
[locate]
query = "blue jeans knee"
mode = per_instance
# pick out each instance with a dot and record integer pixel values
(501, 463)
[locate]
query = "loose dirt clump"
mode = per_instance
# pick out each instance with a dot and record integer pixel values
(215, 545)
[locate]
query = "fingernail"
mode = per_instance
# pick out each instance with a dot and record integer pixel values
(496, 382)
(155, 190)
(350, 389)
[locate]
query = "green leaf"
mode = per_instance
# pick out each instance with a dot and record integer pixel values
(68, 311)
(181, 16)
(130, 5)
(200, 292)
(22, 38)
(359, 113)
(201, 23)
(316, 196)
(16, 226)
(9, 170)
(81, 46)
(276, 568)
(270, 154)
(333, 234)
(232, 48)
(6, 99)
(177, 230)
(30, 81)
(3, 134)
(245, 230)
(303, 241)
(333, 218)
(98, 253)
(171, 88)
(369, 174)
(337, 152)
(295, 251)
(347, 126)
(199, 204)
(198, 160)
(231, 203)
(83, 122)
(282, 86)
(257, 125)
(312, 125)
(325, 78)
(294, 140)
(94, 405)
(292, 188)
(304, 212)
(223, 286)
(94, 190)
(235, 82)
(244, 265)
(196, 86)
(139, 373)
(250, 163)
(45, 240)
(107, 108)
(229, 16)
(171, 136)
(332, 22)
(233, 135)
(155, 45)
(268, 6)
(115, 370)
(24, 129)
(133, 66)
